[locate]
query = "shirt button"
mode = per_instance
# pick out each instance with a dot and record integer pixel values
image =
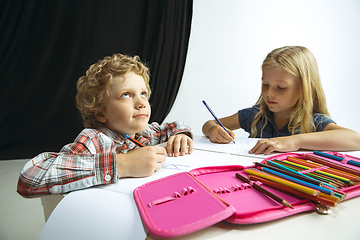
(107, 178)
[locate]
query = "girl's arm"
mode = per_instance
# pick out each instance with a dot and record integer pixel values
(333, 138)
(217, 134)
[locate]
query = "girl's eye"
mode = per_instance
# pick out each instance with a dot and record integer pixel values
(281, 88)
(125, 95)
(144, 94)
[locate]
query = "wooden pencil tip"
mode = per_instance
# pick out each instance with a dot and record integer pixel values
(287, 204)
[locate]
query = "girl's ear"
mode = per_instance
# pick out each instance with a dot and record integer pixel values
(100, 116)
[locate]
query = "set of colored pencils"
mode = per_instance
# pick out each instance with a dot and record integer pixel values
(313, 178)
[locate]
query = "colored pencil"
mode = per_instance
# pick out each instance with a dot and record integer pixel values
(264, 191)
(336, 158)
(327, 169)
(298, 181)
(344, 180)
(284, 182)
(215, 117)
(134, 141)
(291, 173)
(313, 175)
(325, 201)
(332, 164)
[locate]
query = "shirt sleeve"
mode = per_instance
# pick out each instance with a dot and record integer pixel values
(161, 133)
(321, 121)
(78, 165)
(246, 117)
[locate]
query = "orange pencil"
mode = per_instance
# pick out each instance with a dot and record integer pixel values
(283, 182)
(328, 202)
(328, 170)
(134, 141)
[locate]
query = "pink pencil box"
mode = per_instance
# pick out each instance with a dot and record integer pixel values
(189, 201)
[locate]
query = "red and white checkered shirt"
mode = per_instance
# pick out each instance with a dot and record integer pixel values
(90, 160)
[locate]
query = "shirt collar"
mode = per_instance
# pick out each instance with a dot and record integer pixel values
(113, 135)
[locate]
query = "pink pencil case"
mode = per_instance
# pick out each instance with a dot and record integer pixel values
(189, 201)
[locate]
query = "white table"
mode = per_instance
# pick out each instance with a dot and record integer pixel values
(109, 212)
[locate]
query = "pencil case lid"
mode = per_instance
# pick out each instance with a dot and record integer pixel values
(179, 204)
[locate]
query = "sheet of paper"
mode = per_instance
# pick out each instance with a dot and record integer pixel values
(172, 165)
(241, 146)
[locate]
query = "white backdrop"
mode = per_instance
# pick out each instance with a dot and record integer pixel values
(230, 39)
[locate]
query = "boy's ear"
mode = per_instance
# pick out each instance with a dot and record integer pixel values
(100, 116)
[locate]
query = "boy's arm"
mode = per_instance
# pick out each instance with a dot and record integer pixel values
(163, 132)
(177, 135)
(72, 169)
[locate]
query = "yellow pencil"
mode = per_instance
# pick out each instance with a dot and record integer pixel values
(290, 184)
(342, 179)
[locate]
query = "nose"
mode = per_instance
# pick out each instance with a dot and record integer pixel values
(140, 103)
(270, 93)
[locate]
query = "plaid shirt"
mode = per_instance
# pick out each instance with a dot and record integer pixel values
(90, 160)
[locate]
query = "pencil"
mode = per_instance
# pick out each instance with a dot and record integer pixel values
(298, 181)
(134, 141)
(217, 120)
(266, 192)
(327, 169)
(313, 175)
(336, 158)
(284, 182)
(328, 202)
(332, 164)
(342, 179)
(291, 173)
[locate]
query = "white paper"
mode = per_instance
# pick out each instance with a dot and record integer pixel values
(241, 147)
(172, 165)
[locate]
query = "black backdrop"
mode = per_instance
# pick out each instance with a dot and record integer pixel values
(45, 46)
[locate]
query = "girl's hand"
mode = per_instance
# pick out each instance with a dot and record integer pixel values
(176, 145)
(279, 144)
(140, 162)
(218, 135)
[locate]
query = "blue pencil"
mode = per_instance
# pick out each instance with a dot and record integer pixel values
(271, 163)
(217, 120)
(354, 163)
(310, 185)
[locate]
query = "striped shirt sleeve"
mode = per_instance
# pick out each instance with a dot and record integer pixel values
(78, 165)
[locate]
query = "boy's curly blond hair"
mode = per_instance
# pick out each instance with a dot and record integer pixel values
(93, 89)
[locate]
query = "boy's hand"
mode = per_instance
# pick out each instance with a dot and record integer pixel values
(279, 144)
(176, 145)
(141, 162)
(218, 135)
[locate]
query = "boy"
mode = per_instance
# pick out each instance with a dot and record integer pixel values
(113, 100)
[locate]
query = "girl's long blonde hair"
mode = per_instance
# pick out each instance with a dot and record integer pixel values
(301, 63)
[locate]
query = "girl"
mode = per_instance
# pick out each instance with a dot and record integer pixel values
(291, 112)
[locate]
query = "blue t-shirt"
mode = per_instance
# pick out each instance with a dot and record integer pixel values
(247, 115)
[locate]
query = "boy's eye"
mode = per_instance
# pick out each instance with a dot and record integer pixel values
(125, 95)
(144, 94)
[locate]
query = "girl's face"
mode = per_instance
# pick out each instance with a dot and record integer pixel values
(280, 91)
(128, 110)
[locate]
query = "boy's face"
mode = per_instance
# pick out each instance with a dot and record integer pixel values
(128, 110)
(280, 91)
